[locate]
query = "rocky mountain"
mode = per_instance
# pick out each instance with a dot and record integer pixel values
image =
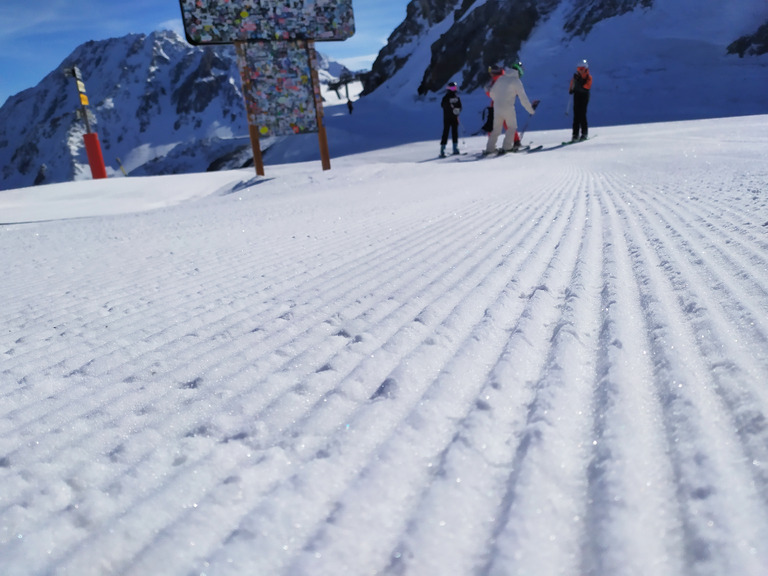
(751, 44)
(162, 106)
(444, 40)
(479, 33)
(147, 93)
(158, 104)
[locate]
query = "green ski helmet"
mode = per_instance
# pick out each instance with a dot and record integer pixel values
(517, 65)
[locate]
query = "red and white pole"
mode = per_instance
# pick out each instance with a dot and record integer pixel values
(91, 139)
(95, 157)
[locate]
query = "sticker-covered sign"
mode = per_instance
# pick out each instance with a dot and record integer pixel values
(227, 21)
(280, 95)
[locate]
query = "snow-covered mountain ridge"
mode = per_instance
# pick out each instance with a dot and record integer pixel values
(652, 61)
(159, 106)
(466, 36)
(162, 106)
(147, 94)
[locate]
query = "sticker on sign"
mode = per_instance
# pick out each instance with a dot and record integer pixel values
(278, 87)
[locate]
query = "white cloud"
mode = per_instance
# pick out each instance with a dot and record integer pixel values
(174, 24)
(363, 62)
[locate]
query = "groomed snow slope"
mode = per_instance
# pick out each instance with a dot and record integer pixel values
(542, 364)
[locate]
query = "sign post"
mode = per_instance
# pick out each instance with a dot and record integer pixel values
(253, 129)
(325, 156)
(274, 40)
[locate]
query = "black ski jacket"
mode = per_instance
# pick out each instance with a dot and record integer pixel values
(451, 104)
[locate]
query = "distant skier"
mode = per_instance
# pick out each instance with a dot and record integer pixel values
(451, 105)
(504, 93)
(580, 87)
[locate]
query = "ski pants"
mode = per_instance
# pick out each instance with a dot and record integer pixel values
(502, 114)
(450, 123)
(580, 102)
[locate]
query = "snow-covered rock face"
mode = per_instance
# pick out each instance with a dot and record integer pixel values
(466, 36)
(158, 105)
(584, 14)
(147, 93)
(161, 106)
(751, 44)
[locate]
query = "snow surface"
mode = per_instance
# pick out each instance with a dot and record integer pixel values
(541, 364)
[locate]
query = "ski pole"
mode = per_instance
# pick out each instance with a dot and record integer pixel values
(535, 105)
(521, 133)
(568, 106)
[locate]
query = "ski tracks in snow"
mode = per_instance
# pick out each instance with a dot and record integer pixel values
(563, 378)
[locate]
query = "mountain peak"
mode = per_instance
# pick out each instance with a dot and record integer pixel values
(445, 40)
(147, 94)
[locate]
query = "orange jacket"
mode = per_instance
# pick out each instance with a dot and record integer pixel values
(581, 81)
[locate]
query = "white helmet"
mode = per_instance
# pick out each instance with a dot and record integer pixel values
(583, 64)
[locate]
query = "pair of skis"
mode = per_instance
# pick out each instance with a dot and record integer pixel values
(569, 142)
(499, 152)
(519, 149)
(526, 148)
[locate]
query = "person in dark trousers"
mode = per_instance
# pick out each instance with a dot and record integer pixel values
(451, 105)
(581, 84)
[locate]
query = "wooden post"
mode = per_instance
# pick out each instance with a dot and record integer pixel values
(253, 130)
(258, 161)
(325, 156)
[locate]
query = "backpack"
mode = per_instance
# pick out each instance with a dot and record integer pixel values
(488, 118)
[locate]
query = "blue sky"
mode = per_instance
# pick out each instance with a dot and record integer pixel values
(37, 35)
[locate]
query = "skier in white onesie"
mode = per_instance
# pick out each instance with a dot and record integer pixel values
(505, 91)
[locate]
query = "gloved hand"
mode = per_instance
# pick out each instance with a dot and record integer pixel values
(535, 104)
